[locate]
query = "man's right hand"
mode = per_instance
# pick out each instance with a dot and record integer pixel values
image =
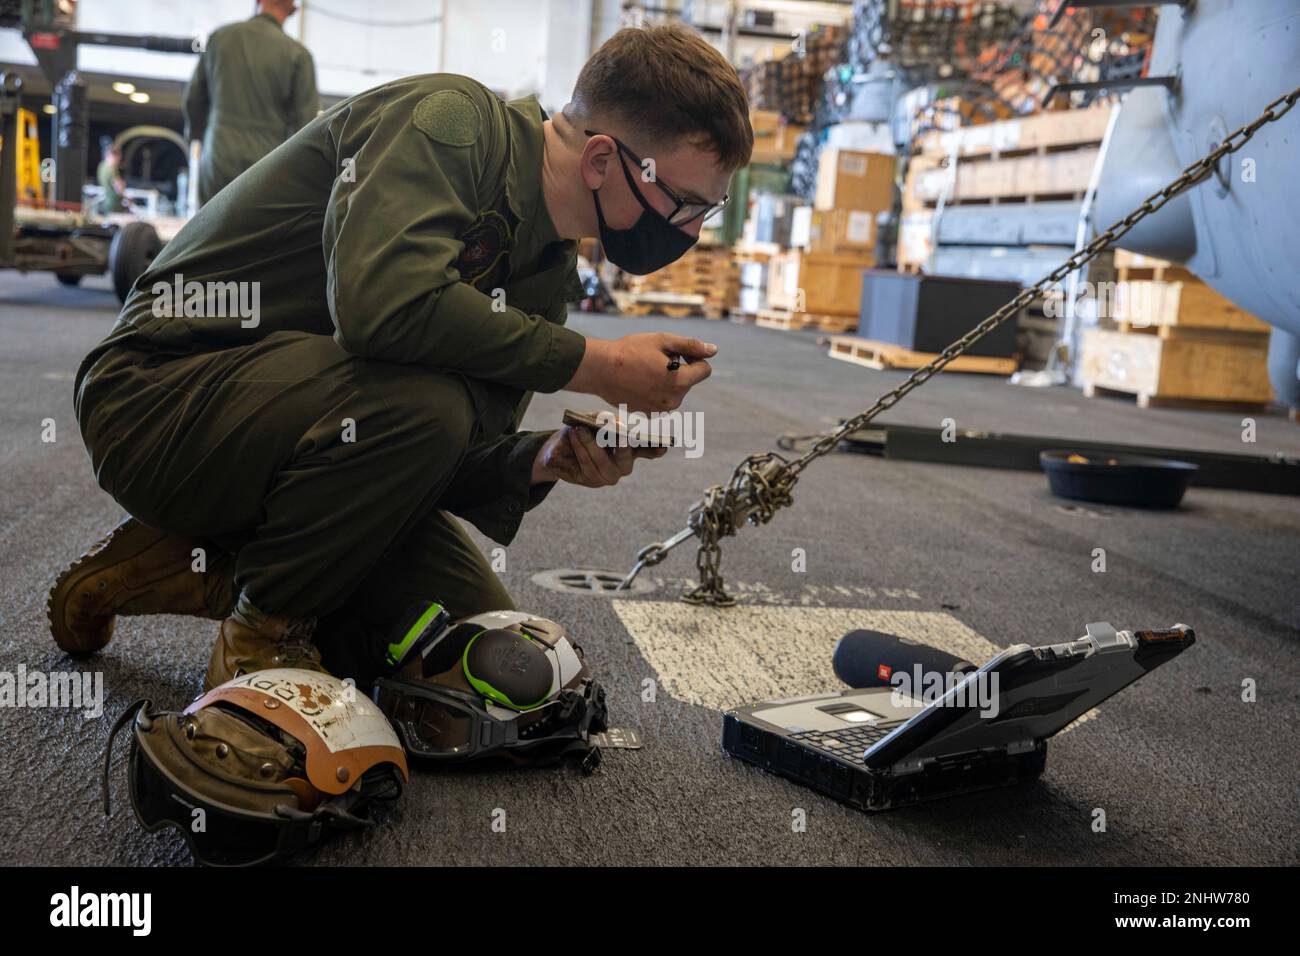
(633, 370)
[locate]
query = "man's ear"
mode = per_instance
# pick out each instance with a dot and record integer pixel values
(598, 154)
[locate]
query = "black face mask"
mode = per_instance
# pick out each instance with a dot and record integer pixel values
(649, 244)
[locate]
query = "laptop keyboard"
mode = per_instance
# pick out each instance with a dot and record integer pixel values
(848, 744)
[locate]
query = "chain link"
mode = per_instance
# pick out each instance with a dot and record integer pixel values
(764, 483)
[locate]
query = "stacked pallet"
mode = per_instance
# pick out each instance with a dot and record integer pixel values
(785, 321)
(1170, 339)
(705, 281)
(886, 355)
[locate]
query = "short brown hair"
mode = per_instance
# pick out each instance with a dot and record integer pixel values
(669, 83)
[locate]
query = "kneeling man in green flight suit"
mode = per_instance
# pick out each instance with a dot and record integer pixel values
(329, 363)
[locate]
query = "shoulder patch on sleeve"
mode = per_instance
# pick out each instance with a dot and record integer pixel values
(449, 117)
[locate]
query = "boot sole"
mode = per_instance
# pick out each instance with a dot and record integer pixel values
(127, 540)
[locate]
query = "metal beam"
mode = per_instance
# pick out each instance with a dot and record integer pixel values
(1272, 474)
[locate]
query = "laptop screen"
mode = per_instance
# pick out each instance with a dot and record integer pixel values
(1026, 694)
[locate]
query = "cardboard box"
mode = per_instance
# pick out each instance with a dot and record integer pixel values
(848, 179)
(815, 282)
(849, 232)
(837, 231)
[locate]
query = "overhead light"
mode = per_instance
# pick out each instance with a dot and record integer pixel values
(139, 97)
(126, 89)
(48, 109)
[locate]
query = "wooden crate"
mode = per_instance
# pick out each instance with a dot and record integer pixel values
(1154, 292)
(1134, 265)
(1212, 368)
(927, 177)
(816, 282)
(1050, 174)
(1186, 305)
(882, 355)
(1042, 131)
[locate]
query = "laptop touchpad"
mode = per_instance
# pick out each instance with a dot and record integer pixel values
(851, 713)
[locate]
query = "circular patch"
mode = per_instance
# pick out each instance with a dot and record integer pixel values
(449, 117)
(484, 243)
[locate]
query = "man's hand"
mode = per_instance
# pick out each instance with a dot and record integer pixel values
(633, 370)
(573, 455)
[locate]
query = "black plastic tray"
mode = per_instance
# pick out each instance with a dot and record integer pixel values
(1117, 479)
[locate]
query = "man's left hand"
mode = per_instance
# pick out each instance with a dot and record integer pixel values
(573, 455)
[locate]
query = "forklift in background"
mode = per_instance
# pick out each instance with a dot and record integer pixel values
(55, 233)
(40, 235)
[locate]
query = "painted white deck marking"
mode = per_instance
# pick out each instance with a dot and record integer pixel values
(724, 657)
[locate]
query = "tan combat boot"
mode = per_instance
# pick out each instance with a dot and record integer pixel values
(135, 569)
(252, 641)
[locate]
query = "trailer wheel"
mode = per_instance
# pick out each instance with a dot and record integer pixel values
(132, 250)
(68, 278)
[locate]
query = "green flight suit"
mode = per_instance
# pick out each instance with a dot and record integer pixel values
(412, 295)
(252, 89)
(113, 200)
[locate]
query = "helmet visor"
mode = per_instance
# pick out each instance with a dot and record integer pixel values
(216, 837)
(435, 724)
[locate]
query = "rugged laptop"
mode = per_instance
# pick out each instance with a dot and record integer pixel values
(869, 749)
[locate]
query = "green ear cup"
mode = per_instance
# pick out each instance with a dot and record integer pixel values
(508, 667)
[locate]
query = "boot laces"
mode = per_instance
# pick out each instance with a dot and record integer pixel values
(294, 650)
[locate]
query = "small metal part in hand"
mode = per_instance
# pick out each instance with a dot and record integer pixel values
(674, 362)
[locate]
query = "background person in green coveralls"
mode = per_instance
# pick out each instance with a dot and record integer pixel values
(109, 176)
(372, 306)
(252, 89)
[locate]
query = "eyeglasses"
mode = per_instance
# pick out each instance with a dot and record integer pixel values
(684, 211)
